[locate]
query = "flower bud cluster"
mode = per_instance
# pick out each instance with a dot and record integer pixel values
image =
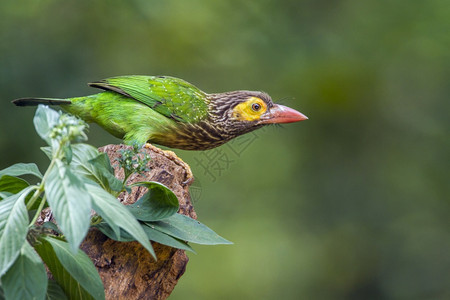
(134, 160)
(69, 129)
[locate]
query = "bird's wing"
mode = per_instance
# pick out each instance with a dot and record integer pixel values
(170, 96)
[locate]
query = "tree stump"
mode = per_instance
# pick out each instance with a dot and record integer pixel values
(127, 270)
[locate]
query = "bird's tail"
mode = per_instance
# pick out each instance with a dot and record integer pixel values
(36, 101)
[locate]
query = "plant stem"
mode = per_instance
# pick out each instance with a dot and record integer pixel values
(38, 212)
(40, 188)
(35, 196)
(126, 176)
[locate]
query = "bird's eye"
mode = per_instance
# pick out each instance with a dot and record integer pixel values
(256, 106)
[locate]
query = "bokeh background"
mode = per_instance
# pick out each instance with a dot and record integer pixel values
(351, 204)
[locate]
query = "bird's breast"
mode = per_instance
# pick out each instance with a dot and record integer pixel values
(200, 136)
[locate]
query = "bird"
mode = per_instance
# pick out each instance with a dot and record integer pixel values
(171, 112)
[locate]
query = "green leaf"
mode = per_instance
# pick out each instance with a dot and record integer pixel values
(106, 171)
(67, 152)
(54, 291)
(69, 202)
(102, 160)
(152, 235)
(4, 195)
(158, 203)
(117, 216)
(120, 236)
(47, 151)
(12, 184)
(13, 228)
(162, 238)
(52, 226)
(27, 278)
(88, 162)
(44, 120)
(80, 267)
(21, 169)
(74, 272)
(187, 229)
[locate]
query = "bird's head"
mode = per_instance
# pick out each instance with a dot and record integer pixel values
(240, 112)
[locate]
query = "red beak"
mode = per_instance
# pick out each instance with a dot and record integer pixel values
(283, 114)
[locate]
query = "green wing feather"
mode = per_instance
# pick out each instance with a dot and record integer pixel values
(169, 96)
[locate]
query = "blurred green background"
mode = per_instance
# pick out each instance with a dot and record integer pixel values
(351, 204)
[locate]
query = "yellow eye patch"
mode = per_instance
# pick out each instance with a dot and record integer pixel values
(250, 110)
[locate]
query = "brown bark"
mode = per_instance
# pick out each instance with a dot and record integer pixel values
(127, 270)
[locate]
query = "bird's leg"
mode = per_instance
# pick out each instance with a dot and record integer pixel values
(173, 157)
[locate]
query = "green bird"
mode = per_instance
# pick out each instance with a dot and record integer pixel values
(171, 112)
